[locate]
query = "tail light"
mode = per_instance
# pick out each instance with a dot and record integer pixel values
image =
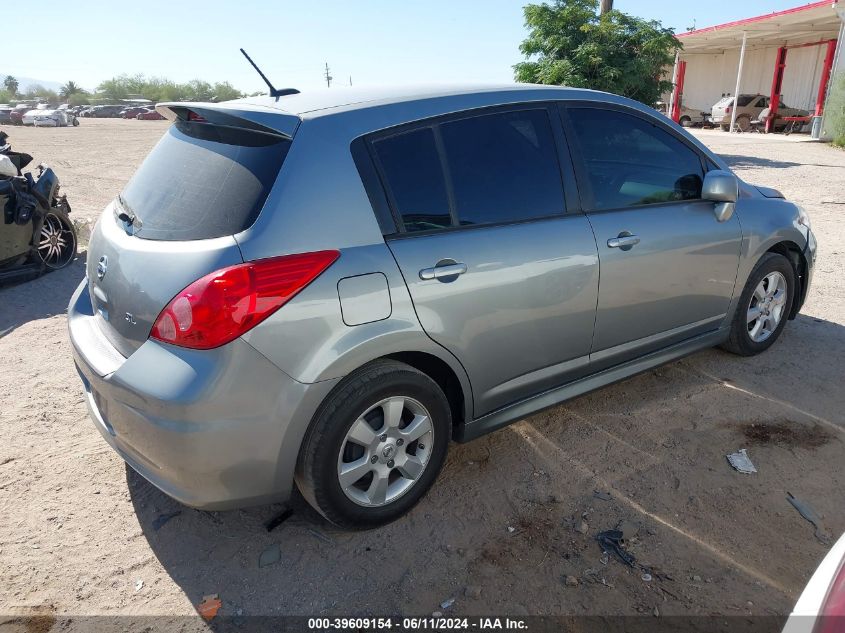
(728, 110)
(832, 614)
(225, 304)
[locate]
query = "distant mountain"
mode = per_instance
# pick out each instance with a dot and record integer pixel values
(26, 82)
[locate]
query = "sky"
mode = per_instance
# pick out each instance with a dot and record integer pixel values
(370, 41)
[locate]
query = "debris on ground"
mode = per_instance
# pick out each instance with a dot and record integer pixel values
(806, 511)
(447, 603)
(270, 555)
(646, 577)
(612, 541)
(161, 519)
(436, 614)
(604, 496)
(139, 584)
(209, 606)
(570, 581)
(696, 578)
(280, 518)
(582, 527)
(472, 591)
(511, 529)
(321, 536)
(741, 462)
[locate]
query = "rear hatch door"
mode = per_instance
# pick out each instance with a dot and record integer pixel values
(175, 221)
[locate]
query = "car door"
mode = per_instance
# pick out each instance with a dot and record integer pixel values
(499, 272)
(668, 267)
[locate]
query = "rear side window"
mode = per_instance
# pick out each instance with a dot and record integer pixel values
(503, 167)
(485, 169)
(203, 181)
(629, 161)
(412, 169)
(745, 100)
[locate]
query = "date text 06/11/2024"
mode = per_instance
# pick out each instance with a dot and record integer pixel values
(360, 625)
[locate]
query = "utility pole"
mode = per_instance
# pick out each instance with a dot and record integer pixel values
(350, 80)
(328, 76)
(606, 5)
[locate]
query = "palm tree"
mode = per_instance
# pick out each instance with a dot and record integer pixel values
(69, 89)
(11, 84)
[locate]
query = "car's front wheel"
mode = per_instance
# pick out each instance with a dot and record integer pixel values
(763, 307)
(375, 446)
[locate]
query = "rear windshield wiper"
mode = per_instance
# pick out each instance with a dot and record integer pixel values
(127, 215)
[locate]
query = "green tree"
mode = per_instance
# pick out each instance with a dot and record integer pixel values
(570, 44)
(11, 84)
(69, 89)
(224, 91)
(834, 110)
(40, 93)
(77, 99)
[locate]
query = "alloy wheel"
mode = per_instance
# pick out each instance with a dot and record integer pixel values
(385, 451)
(56, 243)
(767, 306)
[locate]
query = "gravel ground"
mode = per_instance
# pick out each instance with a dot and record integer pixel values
(512, 515)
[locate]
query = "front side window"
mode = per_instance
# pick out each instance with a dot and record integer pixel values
(630, 161)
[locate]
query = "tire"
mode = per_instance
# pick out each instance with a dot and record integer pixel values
(685, 121)
(742, 340)
(361, 402)
(743, 122)
(56, 242)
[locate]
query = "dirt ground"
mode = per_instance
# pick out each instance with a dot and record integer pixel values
(512, 515)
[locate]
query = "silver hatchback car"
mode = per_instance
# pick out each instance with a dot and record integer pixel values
(324, 290)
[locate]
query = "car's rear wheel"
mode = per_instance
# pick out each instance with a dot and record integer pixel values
(685, 121)
(375, 446)
(743, 122)
(763, 307)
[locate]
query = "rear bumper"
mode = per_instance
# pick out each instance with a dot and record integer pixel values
(214, 429)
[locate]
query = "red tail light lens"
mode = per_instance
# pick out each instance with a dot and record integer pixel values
(728, 110)
(225, 304)
(832, 616)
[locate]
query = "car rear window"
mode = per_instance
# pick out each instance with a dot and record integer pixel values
(203, 181)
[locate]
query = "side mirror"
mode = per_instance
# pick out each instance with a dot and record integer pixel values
(721, 187)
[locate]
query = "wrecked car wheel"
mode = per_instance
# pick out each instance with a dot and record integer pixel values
(763, 307)
(57, 240)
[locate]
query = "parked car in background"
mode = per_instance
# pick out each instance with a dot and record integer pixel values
(749, 108)
(131, 113)
(6, 114)
(690, 117)
(49, 118)
(103, 111)
(150, 114)
(331, 287)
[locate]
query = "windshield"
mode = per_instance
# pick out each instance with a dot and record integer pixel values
(203, 181)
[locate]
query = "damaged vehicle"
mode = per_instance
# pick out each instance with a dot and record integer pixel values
(36, 233)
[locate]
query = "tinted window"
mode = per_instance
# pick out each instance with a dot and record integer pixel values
(411, 166)
(630, 161)
(744, 100)
(503, 167)
(203, 181)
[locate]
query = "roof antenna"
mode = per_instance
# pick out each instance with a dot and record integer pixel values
(274, 92)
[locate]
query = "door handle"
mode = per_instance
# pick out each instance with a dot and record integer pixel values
(623, 241)
(447, 270)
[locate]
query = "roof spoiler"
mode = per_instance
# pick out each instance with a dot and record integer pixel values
(233, 114)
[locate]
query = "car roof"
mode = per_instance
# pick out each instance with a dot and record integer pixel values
(328, 100)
